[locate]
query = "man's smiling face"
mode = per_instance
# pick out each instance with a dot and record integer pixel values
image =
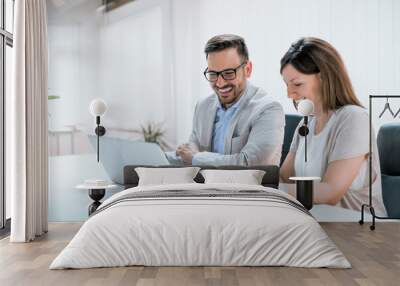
(228, 91)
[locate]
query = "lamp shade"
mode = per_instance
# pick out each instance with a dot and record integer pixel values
(305, 107)
(97, 107)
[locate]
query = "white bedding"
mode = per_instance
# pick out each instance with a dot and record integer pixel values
(200, 231)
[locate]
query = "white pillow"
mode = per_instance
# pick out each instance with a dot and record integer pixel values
(248, 177)
(165, 176)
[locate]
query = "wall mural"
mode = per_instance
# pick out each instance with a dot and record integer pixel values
(145, 59)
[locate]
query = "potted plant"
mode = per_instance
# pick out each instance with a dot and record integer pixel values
(154, 133)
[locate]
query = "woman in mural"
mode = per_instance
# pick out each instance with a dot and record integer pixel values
(338, 138)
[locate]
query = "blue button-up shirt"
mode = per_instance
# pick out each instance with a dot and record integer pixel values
(222, 121)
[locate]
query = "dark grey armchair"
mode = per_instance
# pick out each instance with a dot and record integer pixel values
(292, 120)
(389, 155)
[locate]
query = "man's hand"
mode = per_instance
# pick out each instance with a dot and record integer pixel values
(186, 152)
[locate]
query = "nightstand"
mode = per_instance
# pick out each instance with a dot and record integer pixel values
(96, 193)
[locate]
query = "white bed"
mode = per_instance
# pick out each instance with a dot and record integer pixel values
(185, 230)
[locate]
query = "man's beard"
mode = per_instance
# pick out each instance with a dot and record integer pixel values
(232, 95)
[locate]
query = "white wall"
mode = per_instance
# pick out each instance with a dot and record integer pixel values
(133, 75)
(121, 56)
(366, 33)
(73, 64)
(146, 58)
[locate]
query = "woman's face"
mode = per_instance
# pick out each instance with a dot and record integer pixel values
(300, 86)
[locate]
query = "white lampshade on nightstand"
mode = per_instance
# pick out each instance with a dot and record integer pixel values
(97, 108)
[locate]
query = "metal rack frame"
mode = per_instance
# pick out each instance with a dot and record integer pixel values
(369, 205)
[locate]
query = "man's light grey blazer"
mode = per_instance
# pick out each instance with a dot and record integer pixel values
(254, 136)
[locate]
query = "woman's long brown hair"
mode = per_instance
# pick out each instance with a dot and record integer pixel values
(315, 56)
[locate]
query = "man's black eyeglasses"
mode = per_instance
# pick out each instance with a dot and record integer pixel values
(228, 74)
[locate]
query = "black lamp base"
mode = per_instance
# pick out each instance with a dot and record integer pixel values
(305, 193)
(96, 195)
(305, 190)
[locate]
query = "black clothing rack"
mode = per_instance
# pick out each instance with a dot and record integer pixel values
(369, 205)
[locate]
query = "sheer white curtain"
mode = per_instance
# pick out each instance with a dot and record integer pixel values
(28, 123)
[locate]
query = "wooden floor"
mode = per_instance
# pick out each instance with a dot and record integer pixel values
(374, 255)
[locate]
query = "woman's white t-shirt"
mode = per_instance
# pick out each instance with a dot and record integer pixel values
(345, 136)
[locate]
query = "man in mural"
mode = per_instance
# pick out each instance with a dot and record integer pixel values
(238, 124)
